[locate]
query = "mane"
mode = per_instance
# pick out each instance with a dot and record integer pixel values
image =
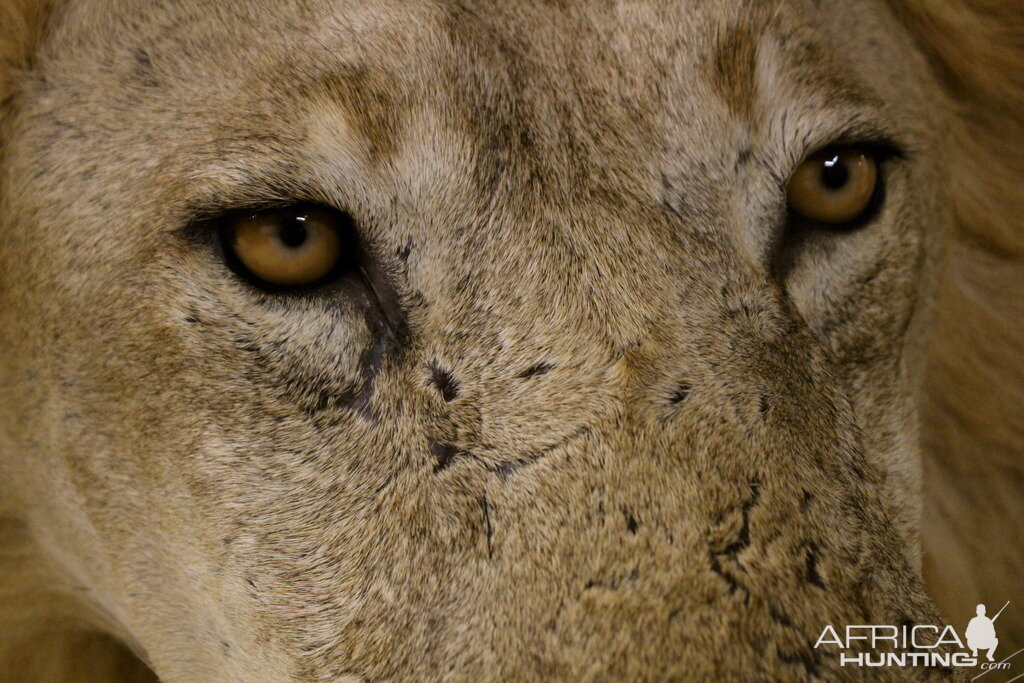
(973, 400)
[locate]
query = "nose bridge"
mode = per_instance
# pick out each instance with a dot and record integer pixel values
(558, 319)
(640, 461)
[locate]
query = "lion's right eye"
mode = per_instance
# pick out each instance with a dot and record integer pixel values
(291, 247)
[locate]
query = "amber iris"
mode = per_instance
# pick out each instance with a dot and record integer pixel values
(287, 247)
(836, 185)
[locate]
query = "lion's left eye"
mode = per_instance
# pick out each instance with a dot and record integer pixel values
(291, 247)
(836, 185)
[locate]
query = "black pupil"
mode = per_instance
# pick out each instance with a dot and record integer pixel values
(834, 173)
(292, 231)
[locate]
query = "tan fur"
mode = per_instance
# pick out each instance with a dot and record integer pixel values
(571, 423)
(46, 633)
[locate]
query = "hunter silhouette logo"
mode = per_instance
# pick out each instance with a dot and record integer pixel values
(875, 645)
(981, 632)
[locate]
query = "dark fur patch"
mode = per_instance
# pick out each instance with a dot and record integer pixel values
(631, 522)
(445, 453)
(444, 381)
(405, 250)
(386, 319)
(486, 507)
(143, 71)
(812, 574)
(730, 580)
(743, 157)
(680, 394)
(778, 616)
(536, 369)
(367, 96)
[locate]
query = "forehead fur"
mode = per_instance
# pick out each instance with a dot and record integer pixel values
(529, 82)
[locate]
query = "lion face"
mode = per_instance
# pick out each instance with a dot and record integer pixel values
(577, 396)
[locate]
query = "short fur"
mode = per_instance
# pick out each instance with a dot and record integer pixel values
(573, 419)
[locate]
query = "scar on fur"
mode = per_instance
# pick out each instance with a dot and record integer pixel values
(740, 542)
(506, 469)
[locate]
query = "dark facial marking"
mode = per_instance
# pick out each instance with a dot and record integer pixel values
(445, 453)
(680, 394)
(366, 95)
(631, 522)
(405, 250)
(386, 320)
(486, 507)
(143, 71)
(812, 567)
(731, 551)
(733, 69)
(444, 382)
(535, 370)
